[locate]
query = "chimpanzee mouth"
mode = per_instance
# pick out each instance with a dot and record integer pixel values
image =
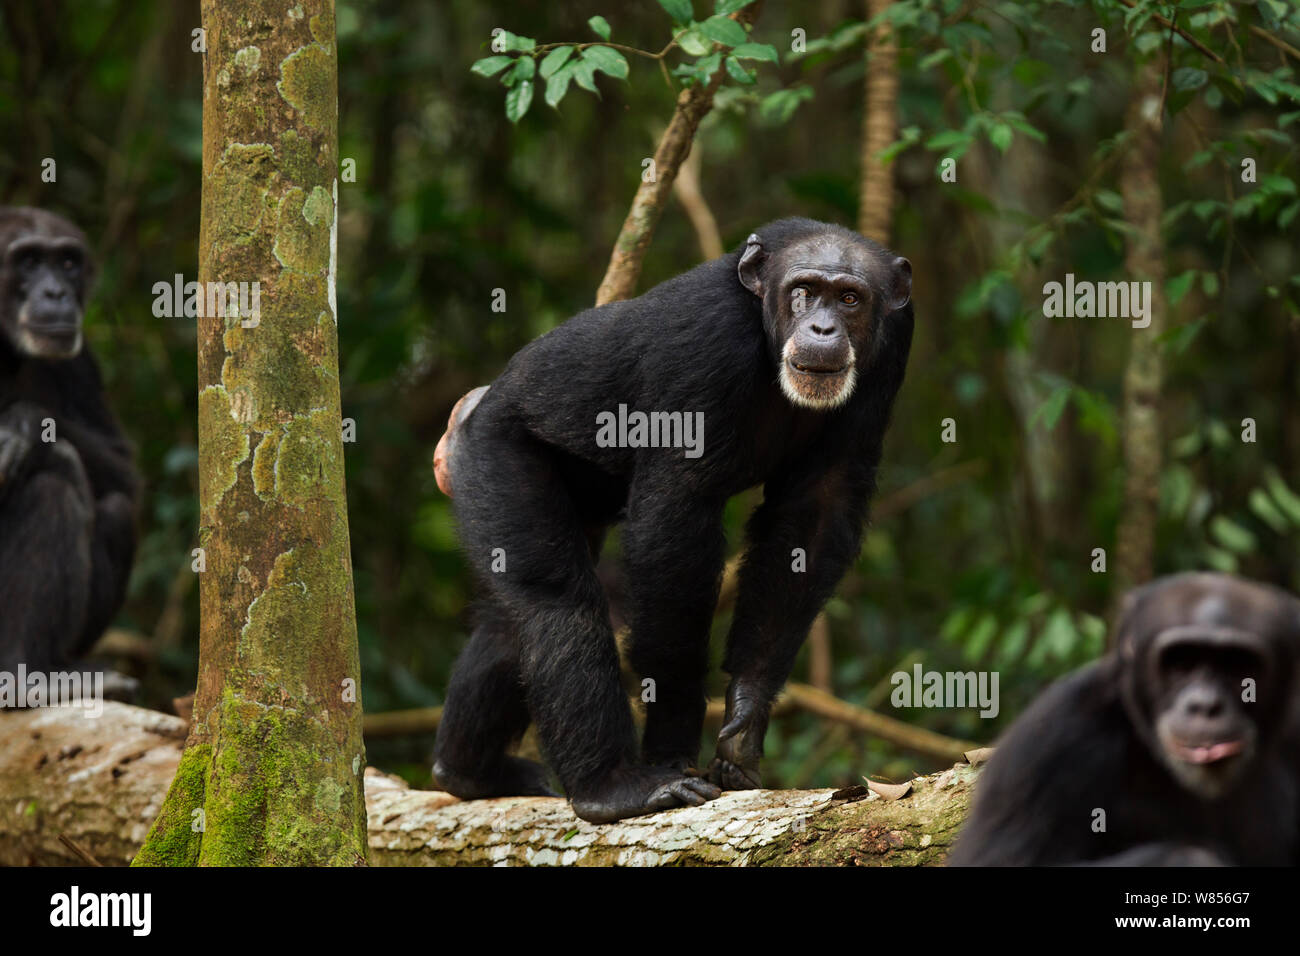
(817, 369)
(1207, 753)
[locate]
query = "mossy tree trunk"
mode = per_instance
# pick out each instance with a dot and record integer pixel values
(274, 757)
(1144, 261)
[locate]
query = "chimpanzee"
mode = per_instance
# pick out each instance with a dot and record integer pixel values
(67, 483)
(1181, 746)
(775, 365)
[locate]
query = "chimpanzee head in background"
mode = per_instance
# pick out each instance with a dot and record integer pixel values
(825, 298)
(1209, 674)
(45, 277)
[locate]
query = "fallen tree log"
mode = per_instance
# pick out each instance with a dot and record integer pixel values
(75, 790)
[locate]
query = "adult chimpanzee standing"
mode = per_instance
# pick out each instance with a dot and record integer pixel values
(776, 365)
(67, 485)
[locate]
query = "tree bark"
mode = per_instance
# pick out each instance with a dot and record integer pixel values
(693, 104)
(98, 783)
(879, 128)
(271, 774)
(1144, 260)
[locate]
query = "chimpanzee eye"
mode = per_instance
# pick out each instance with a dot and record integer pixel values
(27, 261)
(849, 298)
(70, 263)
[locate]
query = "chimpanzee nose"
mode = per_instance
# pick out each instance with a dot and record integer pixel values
(55, 293)
(1202, 702)
(822, 329)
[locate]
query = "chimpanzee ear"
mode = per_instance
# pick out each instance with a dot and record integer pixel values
(901, 290)
(751, 265)
(1124, 640)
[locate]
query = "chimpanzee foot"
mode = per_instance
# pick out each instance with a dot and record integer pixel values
(635, 791)
(516, 777)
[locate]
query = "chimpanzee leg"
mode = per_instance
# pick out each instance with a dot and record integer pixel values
(524, 532)
(45, 538)
(484, 715)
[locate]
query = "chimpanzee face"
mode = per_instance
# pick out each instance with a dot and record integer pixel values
(1210, 673)
(44, 278)
(824, 299)
(1206, 732)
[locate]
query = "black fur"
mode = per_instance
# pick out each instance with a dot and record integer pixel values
(529, 478)
(67, 530)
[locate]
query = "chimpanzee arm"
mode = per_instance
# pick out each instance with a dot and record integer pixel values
(673, 546)
(801, 541)
(106, 455)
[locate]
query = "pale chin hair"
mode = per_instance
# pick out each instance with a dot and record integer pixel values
(800, 400)
(33, 345)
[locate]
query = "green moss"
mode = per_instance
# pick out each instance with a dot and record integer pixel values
(310, 453)
(298, 157)
(226, 443)
(302, 244)
(172, 840)
(319, 208)
(307, 83)
(264, 465)
(237, 191)
(270, 768)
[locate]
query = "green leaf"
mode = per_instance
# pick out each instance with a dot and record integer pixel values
(1178, 286)
(1052, 409)
(584, 74)
(1022, 125)
(554, 60)
(491, 65)
(724, 30)
(524, 70)
(702, 70)
(756, 51)
(934, 59)
(1220, 560)
(600, 26)
(679, 10)
(1288, 214)
(694, 43)
(949, 137)
(1232, 535)
(605, 60)
(518, 100)
(1285, 498)
(730, 6)
(1189, 78)
(515, 43)
(738, 72)
(1275, 183)
(558, 84)
(1000, 136)
(780, 106)
(1266, 511)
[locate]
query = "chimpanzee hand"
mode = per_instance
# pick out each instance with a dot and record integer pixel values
(16, 438)
(740, 742)
(633, 791)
